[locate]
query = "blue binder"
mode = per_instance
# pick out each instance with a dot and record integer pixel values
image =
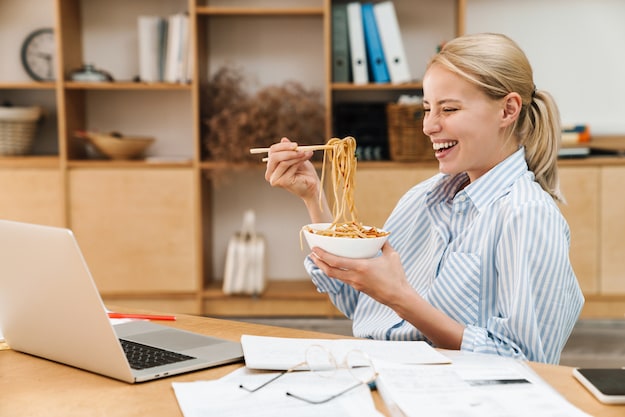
(377, 62)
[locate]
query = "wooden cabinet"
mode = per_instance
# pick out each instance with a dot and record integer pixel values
(593, 211)
(146, 228)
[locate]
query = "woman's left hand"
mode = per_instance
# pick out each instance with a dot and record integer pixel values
(381, 278)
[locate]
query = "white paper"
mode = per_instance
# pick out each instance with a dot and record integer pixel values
(281, 353)
(224, 397)
(473, 386)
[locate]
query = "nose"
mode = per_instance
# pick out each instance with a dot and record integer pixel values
(431, 124)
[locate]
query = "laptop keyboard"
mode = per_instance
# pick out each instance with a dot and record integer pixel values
(143, 356)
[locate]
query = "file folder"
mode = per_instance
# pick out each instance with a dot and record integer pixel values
(357, 43)
(375, 53)
(390, 35)
(340, 44)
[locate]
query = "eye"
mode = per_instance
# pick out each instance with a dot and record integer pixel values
(449, 109)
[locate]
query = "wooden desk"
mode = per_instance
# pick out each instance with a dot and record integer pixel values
(30, 386)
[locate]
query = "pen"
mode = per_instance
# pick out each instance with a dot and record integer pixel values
(140, 316)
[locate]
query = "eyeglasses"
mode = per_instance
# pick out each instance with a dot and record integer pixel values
(322, 362)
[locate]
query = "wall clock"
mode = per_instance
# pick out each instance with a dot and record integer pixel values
(38, 51)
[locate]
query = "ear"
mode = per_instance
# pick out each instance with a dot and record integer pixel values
(511, 108)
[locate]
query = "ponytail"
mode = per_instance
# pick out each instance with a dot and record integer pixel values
(538, 129)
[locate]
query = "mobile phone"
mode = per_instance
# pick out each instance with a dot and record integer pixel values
(607, 384)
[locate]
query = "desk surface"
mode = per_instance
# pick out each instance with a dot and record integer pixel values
(36, 387)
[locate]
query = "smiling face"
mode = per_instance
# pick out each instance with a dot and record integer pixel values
(467, 128)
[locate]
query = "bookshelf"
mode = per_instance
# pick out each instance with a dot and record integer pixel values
(147, 228)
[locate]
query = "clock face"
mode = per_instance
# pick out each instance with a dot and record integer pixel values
(38, 54)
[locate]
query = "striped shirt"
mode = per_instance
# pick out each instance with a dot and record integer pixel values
(494, 256)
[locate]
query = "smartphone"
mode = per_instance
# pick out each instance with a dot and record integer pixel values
(607, 384)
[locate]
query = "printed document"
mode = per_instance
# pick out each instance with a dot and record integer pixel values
(224, 397)
(474, 385)
(282, 353)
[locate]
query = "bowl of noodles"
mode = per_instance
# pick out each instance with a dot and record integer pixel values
(348, 240)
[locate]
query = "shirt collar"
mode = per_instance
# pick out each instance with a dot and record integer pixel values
(486, 189)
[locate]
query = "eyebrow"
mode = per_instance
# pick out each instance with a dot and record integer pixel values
(444, 101)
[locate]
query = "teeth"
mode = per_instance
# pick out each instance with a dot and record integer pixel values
(443, 145)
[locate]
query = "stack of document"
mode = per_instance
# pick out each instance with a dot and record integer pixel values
(474, 385)
(413, 380)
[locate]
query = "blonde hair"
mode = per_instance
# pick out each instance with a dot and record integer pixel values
(497, 65)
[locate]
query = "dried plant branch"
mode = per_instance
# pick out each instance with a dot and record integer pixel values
(235, 120)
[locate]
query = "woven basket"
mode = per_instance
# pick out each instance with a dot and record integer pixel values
(18, 126)
(407, 142)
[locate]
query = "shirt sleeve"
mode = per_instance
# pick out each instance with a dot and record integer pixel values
(342, 296)
(538, 297)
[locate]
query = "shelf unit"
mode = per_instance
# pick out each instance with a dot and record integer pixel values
(145, 227)
(142, 224)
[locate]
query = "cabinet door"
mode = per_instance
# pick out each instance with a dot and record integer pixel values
(136, 227)
(32, 196)
(379, 189)
(612, 231)
(581, 189)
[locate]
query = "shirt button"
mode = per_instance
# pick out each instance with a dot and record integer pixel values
(462, 198)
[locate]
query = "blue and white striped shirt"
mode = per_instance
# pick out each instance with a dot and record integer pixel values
(494, 256)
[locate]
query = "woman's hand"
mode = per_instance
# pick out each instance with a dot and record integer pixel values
(383, 279)
(292, 170)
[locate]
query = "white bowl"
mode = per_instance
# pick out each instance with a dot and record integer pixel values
(347, 247)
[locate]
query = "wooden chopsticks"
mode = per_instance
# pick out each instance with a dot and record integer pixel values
(299, 148)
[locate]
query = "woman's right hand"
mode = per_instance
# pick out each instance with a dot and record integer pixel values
(292, 170)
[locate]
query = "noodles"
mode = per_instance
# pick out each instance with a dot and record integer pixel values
(342, 158)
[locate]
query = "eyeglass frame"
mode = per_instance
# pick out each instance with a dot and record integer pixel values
(344, 364)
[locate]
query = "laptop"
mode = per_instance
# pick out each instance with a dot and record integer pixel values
(51, 308)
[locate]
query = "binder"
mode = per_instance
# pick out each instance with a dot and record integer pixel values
(388, 27)
(375, 53)
(177, 48)
(149, 48)
(358, 53)
(340, 44)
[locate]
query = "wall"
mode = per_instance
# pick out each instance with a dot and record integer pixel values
(577, 49)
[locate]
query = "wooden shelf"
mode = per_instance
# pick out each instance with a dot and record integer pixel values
(259, 11)
(27, 85)
(124, 85)
(139, 163)
(376, 87)
(30, 161)
(281, 298)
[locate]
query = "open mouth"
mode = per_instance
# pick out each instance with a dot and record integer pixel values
(441, 146)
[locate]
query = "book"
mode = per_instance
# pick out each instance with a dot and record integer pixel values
(358, 54)
(392, 43)
(378, 70)
(340, 44)
(149, 47)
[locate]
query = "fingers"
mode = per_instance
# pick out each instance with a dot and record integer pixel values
(333, 261)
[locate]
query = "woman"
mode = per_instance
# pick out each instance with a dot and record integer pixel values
(477, 258)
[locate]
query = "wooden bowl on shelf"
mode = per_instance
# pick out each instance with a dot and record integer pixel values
(117, 146)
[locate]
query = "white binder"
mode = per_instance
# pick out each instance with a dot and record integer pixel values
(149, 48)
(392, 43)
(357, 43)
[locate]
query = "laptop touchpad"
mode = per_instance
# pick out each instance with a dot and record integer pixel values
(173, 340)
